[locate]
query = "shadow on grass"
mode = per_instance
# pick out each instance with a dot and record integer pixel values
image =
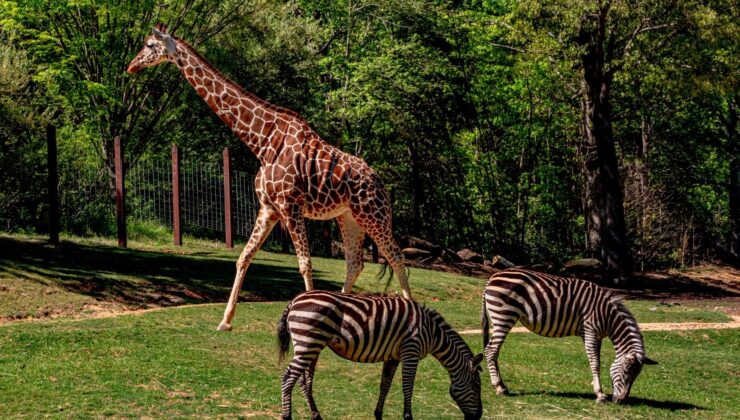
(141, 278)
(631, 401)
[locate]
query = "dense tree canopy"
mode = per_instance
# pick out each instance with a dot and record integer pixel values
(540, 130)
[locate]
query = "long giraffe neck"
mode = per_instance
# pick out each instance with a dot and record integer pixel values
(252, 119)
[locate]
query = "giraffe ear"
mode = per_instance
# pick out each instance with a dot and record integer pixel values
(168, 41)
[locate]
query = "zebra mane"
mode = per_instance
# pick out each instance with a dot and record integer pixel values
(624, 315)
(449, 332)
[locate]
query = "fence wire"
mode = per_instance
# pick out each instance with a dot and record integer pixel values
(149, 191)
(149, 197)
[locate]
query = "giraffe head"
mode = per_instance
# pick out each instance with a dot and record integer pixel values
(158, 47)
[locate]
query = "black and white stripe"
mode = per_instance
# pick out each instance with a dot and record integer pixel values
(373, 329)
(553, 306)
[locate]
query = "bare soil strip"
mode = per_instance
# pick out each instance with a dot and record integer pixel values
(657, 326)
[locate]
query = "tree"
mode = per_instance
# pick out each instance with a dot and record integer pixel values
(589, 44)
(81, 49)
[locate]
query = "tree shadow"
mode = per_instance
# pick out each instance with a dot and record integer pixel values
(631, 401)
(141, 278)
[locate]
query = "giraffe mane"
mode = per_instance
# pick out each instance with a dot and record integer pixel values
(241, 90)
(161, 27)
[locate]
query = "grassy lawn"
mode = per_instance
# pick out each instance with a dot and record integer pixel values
(87, 276)
(173, 363)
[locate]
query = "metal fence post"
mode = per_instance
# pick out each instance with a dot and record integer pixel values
(53, 184)
(176, 217)
(227, 199)
(120, 193)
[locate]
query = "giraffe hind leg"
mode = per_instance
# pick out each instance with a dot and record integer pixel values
(296, 225)
(352, 237)
(380, 231)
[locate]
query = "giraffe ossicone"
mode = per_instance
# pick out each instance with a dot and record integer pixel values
(301, 176)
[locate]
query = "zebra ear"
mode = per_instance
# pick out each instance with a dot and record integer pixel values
(648, 361)
(475, 361)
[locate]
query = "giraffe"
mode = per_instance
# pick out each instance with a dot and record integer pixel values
(301, 176)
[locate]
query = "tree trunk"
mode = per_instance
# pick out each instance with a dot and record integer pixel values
(604, 189)
(417, 190)
(734, 186)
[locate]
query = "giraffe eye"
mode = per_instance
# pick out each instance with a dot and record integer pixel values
(150, 45)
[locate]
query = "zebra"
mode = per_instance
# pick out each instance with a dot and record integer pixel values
(553, 306)
(371, 329)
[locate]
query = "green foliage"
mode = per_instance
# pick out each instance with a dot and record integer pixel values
(470, 111)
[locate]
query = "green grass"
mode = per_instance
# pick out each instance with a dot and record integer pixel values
(87, 275)
(172, 362)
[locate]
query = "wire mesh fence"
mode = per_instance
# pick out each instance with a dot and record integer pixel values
(87, 199)
(149, 191)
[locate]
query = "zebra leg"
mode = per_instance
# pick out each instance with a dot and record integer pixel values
(302, 361)
(389, 370)
(593, 351)
(306, 382)
(500, 330)
(410, 363)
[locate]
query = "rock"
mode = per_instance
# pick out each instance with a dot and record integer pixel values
(583, 264)
(416, 253)
(449, 255)
(488, 268)
(500, 262)
(414, 242)
(468, 255)
(540, 267)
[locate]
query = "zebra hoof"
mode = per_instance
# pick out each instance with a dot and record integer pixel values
(502, 391)
(224, 326)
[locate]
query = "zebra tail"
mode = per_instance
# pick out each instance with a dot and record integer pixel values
(283, 334)
(484, 322)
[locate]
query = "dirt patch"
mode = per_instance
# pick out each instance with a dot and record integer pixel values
(656, 326)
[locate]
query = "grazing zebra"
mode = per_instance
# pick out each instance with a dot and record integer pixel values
(369, 330)
(553, 306)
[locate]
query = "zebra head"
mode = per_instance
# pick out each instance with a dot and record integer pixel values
(465, 388)
(624, 371)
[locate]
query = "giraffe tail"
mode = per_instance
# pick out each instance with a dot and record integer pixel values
(283, 334)
(386, 268)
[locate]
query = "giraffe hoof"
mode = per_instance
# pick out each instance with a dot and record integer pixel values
(502, 391)
(224, 326)
(602, 399)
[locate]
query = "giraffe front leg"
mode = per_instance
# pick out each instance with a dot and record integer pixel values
(593, 351)
(389, 371)
(352, 237)
(266, 219)
(297, 228)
